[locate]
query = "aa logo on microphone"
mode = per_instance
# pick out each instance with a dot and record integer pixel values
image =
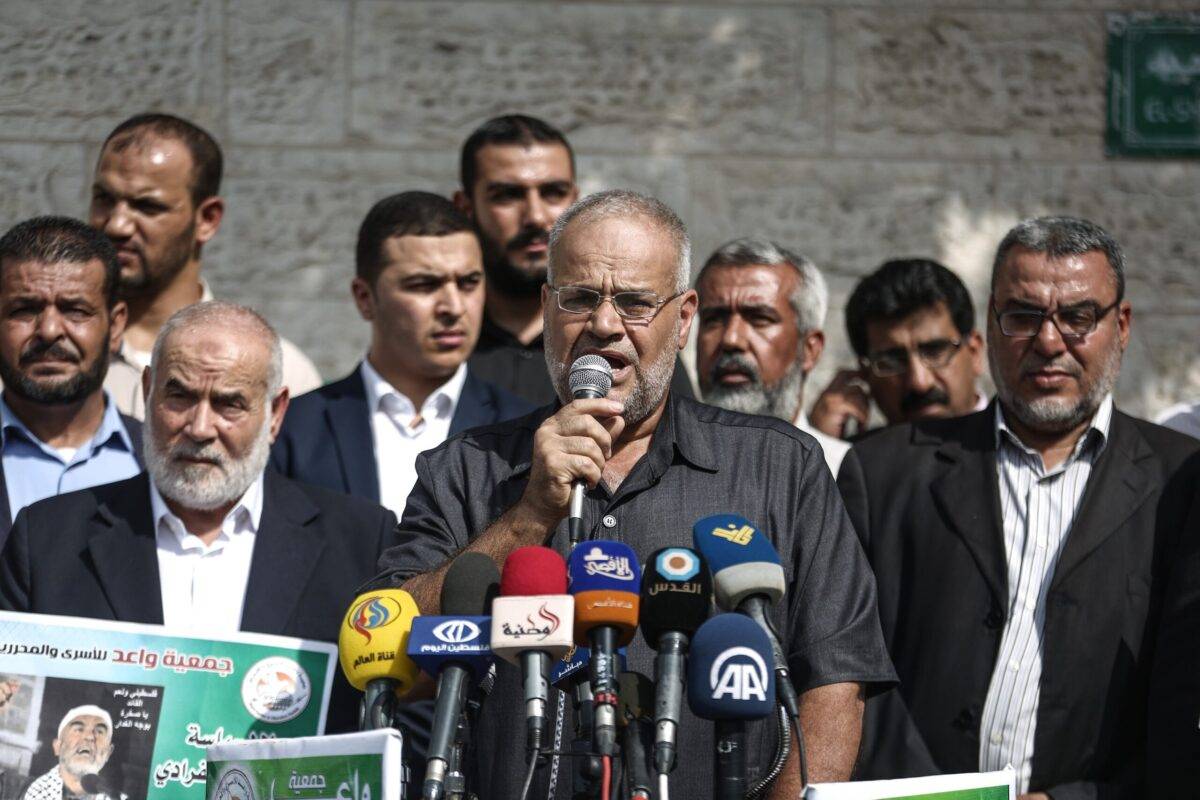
(677, 564)
(372, 613)
(597, 562)
(734, 534)
(739, 673)
(456, 631)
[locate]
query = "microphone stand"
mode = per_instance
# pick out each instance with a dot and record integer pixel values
(729, 766)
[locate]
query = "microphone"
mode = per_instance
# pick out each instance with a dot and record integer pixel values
(604, 579)
(451, 648)
(533, 622)
(729, 682)
(635, 695)
(748, 578)
(590, 378)
(372, 649)
(676, 600)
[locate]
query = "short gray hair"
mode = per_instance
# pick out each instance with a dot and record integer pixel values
(628, 204)
(214, 313)
(1058, 237)
(810, 300)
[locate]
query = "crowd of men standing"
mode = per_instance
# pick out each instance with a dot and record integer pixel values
(976, 582)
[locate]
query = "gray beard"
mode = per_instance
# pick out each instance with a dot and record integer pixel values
(1054, 415)
(206, 487)
(782, 400)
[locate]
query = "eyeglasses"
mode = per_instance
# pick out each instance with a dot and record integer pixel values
(934, 354)
(1073, 321)
(630, 305)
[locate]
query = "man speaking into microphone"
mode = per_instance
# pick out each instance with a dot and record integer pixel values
(652, 464)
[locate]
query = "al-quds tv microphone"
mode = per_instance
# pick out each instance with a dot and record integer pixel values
(532, 623)
(604, 581)
(590, 378)
(676, 600)
(373, 651)
(452, 647)
(635, 693)
(730, 681)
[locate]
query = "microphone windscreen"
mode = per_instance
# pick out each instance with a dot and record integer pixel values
(742, 559)
(533, 571)
(470, 586)
(676, 593)
(590, 376)
(728, 673)
(635, 697)
(373, 639)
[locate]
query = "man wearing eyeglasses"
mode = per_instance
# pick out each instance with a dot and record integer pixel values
(1020, 550)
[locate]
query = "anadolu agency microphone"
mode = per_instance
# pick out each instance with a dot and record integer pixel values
(590, 378)
(532, 623)
(452, 648)
(676, 600)
(729, 681)
(372, 649)
(604, 581)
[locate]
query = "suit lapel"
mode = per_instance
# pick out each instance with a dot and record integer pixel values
(125, 554)
(350, 419)
(1119, 484)
(968, 497)
(286, 551)
(5, 510)
(475, 406)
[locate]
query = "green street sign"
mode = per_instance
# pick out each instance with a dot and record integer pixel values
(1153, 85)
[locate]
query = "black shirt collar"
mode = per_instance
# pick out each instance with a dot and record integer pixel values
(492, 335)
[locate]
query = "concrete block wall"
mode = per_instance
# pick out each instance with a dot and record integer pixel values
(852, 130)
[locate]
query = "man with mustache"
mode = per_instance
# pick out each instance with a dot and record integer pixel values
(156, 196)
(518, 177)
(653, 463)
(1021, 552)
(83, 746)
(912, 326)
(207, 540)
(761, 312)
(59, 316)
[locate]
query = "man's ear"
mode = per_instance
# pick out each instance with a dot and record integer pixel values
(462, 202)
(208, 219)
(279, 407)
(688, 303)
(363, 299)
(974, 345)
(814, 345)
(55, 747)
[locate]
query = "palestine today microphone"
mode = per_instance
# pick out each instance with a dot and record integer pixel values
(590, 378)
(451, 648)
(729, 681)
(676, 600)
(372, 649)
(532, 623)
(604, 581)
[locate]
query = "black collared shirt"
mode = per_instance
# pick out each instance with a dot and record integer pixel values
(502, 360)
(703, 460)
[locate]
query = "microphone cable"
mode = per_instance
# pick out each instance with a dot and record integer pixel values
(606, 777)
(782, 750)
(533, 759)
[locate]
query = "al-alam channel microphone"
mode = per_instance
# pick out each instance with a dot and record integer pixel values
(372, 649)
(730, 682)
(452, 648)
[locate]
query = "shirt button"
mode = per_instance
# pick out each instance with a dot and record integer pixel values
(609, 521)
(1014, 665)
(997, 738)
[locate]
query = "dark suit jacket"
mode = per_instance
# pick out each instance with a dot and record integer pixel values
(326, 437)
(132, 427)
(92, 553)
(925, 501)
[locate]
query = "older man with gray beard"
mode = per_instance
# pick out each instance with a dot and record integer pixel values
(207, 541)
(1021, 551)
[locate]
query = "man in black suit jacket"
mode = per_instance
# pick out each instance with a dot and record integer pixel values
(207, 540)
(1020, 551)
(419, 283)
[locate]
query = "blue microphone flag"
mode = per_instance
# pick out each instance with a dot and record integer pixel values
(437, 641)
(603, 565)
(742, 559)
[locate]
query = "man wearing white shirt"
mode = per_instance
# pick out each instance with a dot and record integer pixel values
(206, 540)
(762, 308)
(419, 283)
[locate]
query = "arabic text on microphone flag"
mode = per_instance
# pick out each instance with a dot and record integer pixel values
(169, 696)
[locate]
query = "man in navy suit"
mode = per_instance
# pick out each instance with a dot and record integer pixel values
(419, 282)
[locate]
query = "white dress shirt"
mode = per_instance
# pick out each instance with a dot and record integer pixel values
(401, 433)
(204, 586)
(834, 449)
(1037, 507)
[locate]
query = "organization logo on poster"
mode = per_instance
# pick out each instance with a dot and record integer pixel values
(276, 689)
(234, 785)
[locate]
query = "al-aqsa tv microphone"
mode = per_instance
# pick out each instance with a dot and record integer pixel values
(635, 693)
(590, 378)
(532, 623)
(452, 647)
(730, 681)
(604, 581)
(676, 600)
(372, 649)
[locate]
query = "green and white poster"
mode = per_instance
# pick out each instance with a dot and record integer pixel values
(128, 711)
(1000, 785)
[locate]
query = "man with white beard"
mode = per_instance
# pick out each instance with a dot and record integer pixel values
(83, 746)
(205, 541)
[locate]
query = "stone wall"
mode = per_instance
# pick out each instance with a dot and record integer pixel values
(852, 130)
